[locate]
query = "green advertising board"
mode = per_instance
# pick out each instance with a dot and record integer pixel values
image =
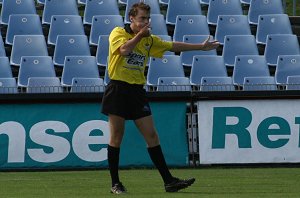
(75, 135)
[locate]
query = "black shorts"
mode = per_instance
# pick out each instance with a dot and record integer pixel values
(125, 100)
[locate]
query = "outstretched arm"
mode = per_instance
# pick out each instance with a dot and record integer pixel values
(205, 45)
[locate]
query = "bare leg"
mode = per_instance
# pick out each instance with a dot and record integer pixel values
(147, 129)
(116, 126)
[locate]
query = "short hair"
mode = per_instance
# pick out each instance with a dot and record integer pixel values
(135, 7)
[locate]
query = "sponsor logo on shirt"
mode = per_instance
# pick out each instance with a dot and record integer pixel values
(136, 59)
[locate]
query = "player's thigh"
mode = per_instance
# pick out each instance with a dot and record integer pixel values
(146, 127)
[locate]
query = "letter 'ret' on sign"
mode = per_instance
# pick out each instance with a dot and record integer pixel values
(264, 131)
(221, 128)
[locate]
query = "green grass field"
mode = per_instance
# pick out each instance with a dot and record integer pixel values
(211, 182)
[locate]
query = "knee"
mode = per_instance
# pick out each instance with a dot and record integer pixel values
(116, 140)
(152, 139)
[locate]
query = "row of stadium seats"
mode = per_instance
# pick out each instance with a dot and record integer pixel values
(77, 45)
(205, 70)
(103, 24)
(110, 7)
(227, 28)
(185, 25)
(166, 84)
(51, 85)
(214, 66)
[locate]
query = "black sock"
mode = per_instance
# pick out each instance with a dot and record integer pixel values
(113, 154)
(158, 159)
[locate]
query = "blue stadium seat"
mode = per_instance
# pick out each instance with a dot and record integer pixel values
(81, 2)
(246, 1)
(102, 50)
(249, 66)
(204, 2)
(35, 66)
(231, 25)
(106, 77)
(293, 83)
(168, 66)
(272, 24)
(207, 66)
(190, 25)
(87, 85)
(103, 25)
(58, 7)
(44, 85)
(261, 7)
(238, 45)
(222, 7)
(122, 2)
(216, 84)
(280, 44)
(27, 24)
(64, 25)
(79, 66)
(99, 7)
(173, 84)
(287, 65)
(8, 86)
(155, 9)
(70, 45)
(187, 56)
(2, 48)
(5, 68)
(182, 7)
(259, 83)
(163, 2)
(27, 45)
(41, 1)
(16, 7)
(158, 24)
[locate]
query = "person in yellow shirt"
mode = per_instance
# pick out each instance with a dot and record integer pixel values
(125, 96)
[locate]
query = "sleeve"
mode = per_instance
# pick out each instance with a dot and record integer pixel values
(116, 39)
(159, 47)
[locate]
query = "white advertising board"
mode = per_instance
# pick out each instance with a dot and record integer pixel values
(249, 131)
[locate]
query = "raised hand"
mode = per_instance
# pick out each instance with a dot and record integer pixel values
(209, 45)
(145, 31)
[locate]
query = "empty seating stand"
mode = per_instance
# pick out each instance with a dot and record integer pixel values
(216, 84)
(79, 66)
(168, 66)
(262, 83)
(44, 85)
(182, 7)
(99, 7)
(87, 85)
(8, 86)
(173, 84)
(35, 66)
(58, 7)
(16, 7)
(53, 32)
(23, 24)
(249, 66)
(207, 66)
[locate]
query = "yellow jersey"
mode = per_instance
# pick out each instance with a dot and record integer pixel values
(131, 68)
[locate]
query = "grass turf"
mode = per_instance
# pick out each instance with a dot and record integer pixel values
(210, 182)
